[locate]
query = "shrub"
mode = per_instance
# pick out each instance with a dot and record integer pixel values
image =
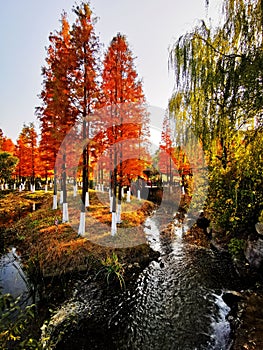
(14, 321)
(236, 248)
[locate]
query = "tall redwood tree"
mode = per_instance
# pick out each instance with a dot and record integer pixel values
(123, 94)
(57, 113)
(85, 91)
(27, 153)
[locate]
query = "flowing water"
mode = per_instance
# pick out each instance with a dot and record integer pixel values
(176, 303)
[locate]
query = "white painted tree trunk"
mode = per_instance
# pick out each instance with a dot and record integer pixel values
(81, 230)
(65, 213)
(113, 224)
(102, 188)
(33, 188)
(122, 192)
(128, 196)
(87, 199)
(139, 195)
(46, 188)
(111, 204)
(75, 191)
(118, 218)
(2, 187)
(34, 206)
(61, 197)
(14, 186)
(55, 202)
(6, 186)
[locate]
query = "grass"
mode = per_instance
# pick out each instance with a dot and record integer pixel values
(98, 220)
(16, 205)
(113, 269)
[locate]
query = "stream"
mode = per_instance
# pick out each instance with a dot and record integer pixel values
(176, 302)
(13, 279)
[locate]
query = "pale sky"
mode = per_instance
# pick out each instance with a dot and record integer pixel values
(151, 27)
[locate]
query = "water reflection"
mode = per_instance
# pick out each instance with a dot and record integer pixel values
(13, 279)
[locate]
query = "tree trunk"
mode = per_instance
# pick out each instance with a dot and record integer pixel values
(81, 230)
(55, 200)
(114, 219)
(65, 217)
(128, 195)
(75, 187)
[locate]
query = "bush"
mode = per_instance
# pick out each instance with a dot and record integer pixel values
(236, 248)
(235, 192)
(14, 321)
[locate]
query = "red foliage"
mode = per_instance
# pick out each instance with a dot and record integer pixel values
(28, 153)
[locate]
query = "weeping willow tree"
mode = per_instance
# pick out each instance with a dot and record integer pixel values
(219, 75)
(218, 93)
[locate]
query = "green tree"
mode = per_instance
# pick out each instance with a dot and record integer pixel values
(7, 166)
(219, 81)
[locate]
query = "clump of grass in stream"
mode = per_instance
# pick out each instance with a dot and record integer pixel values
(113, 270)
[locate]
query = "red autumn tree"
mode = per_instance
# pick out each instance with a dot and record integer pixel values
(27, 153)
(167, 162)
(85, 91)
(8, 145)
(69, 95)
(123, 99)
(57, 113)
